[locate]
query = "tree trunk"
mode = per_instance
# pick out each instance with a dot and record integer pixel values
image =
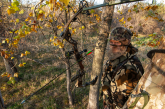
(99, 55)
(10, 67)
(68, 78)
(68, 84)
(68, 72)
(153, 82)
(1, 101)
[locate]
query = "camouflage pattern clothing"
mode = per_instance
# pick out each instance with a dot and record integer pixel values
(117, 87)
(120, 33)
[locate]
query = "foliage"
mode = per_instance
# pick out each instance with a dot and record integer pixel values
(146, 13)
(25, 25)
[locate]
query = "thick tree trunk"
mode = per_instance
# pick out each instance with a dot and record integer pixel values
(106, 18)
(1, 101)
(153, 82)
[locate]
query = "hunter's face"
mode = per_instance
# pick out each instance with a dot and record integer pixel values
(117, 49)
(116, 46)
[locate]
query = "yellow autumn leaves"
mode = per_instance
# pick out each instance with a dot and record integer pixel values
(14, 8)
(22, 55)
(11, 79)
(56, 42)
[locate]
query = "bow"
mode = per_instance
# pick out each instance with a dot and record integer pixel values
(78, 55)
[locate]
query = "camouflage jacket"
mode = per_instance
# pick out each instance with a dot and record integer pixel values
(121, 77)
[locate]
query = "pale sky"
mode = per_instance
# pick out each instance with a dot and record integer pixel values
(96, 1)
(150, 1)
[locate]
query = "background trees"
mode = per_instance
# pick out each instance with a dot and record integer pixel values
(31, 36)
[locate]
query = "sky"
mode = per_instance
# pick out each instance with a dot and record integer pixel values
(150, 1)
(98, 1)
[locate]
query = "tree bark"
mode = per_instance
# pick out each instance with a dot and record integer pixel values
(10, 67)
(1, 101)
(68, 72)
(106, 18)
(153, 82)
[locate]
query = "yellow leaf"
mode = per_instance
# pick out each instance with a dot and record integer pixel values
(61, 9)
(55, 37)
(70, 28)
(119, 12)
(50, 20)
(154, 7)
(60, 46)
(59, 27)
(20, 65)
(121, 20)
(27, 52)
(4, 74)
(82, 27)
(16, 9)
(130, 27)
(73, 32)
(30, 14)
(129, 10)
(75, 10)
(32, 8)
(16, 75)
(7, 40)
(47, 2)
(50, 39)
(12, 58)
(27, 19)
(66, 2)
(54, 14)
(96, 15)
(156, 18)
(17, 20)
(129, 19)
(22, 55)
(55, 44)
(10, 11)
(21, 12)
(135, 6)
(12, 79)
(50, 15)
(150, 35)
(24, 63)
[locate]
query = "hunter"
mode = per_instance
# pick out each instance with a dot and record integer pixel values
(122, 71)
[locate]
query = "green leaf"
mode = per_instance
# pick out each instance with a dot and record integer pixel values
(92, 11)
(154, 34)
(24, 26)
(9, 82)
(16, 37)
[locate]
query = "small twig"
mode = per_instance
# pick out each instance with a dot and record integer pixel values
(36, 61)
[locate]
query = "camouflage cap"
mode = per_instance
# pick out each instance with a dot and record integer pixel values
(120, 33)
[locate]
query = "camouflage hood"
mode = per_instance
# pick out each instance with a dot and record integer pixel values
(120, 33)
